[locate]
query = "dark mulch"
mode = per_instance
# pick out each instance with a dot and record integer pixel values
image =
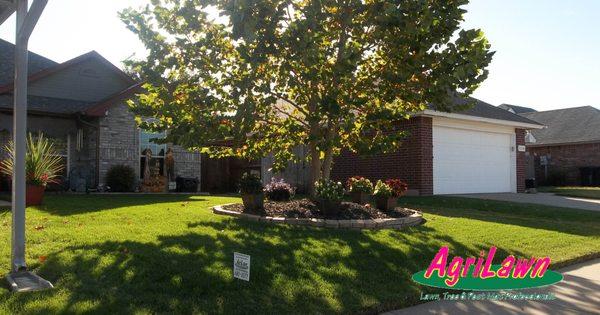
(304, 208)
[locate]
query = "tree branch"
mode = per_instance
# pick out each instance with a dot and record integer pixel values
(288, 115)
(298, 107)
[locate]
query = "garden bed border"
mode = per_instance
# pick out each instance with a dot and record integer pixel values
(369, 224)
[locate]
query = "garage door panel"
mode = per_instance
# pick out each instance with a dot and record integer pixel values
(468, 161)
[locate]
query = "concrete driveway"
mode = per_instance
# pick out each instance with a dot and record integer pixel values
(578, 293)
(547, 199)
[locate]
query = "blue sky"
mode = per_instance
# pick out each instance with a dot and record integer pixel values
(547, 52)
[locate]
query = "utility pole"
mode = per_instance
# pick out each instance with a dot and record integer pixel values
(20, 279)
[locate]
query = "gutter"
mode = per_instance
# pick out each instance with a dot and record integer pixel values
(538, 145)
(433, 113)
(38, 113)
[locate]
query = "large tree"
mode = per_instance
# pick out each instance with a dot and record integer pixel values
(249, 78)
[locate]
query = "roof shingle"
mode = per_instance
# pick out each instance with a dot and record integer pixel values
(7, 56)
(482, 109)
(569, 125)
(517, 109)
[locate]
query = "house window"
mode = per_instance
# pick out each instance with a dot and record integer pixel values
(157, 161)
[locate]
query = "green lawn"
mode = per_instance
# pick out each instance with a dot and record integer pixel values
(583, 192)
(170, 254)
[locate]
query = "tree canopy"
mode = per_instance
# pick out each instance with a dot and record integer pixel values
(249, 78)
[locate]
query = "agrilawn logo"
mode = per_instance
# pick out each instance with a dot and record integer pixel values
(480, 274)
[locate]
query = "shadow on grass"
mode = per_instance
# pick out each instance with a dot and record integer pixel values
(293, 270)
(571, 221)
(66, 205)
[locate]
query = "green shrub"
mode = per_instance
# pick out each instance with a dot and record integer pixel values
(121, 178)
(250, 184)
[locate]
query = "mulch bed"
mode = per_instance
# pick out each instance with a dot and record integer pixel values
(304, 208)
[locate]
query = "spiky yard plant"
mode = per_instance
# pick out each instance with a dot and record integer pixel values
(42, 163)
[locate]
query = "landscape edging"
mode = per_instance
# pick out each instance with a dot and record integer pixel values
(360, 224)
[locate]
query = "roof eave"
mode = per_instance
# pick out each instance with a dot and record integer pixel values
(99, 109)
(40, 113)
(511, 123)
(561, 143)
(7, 8)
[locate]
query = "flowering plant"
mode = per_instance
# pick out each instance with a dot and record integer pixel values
(42, 163)
(398, 187)
(382, 190)
(279, 190)
(329, 190)
(390, 188)
(359, 184)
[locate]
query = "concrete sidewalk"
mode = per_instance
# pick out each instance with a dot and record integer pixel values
(578, 293)
(541, 199)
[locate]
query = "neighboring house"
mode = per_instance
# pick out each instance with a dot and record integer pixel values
(80, 104)
(567, 151)
(516, 109)
(479, 150)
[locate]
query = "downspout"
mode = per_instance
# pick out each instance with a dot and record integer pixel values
(97, 127)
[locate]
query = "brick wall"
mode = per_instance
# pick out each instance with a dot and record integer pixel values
(521, 160)
(566, 160)
(413, 162)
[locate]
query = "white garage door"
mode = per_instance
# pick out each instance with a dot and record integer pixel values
(468, 161)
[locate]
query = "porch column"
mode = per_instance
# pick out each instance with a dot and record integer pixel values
(20, 141)
(26, 21)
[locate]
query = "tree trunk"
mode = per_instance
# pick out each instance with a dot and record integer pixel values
(328, 160)
(315, 167)
(327, 164)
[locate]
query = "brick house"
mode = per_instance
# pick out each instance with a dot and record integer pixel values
(567, 151)
(80, 104)
(478, 150)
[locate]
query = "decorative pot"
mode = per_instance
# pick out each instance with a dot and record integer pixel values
(253, 202)
(386, 203)
(330, 208)
(34, 195)
(362, 198)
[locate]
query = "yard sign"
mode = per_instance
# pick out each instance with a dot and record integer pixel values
(241, 266)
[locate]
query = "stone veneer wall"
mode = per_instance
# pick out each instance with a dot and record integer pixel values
(119, 140)
(187, 164)
(119, 144)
